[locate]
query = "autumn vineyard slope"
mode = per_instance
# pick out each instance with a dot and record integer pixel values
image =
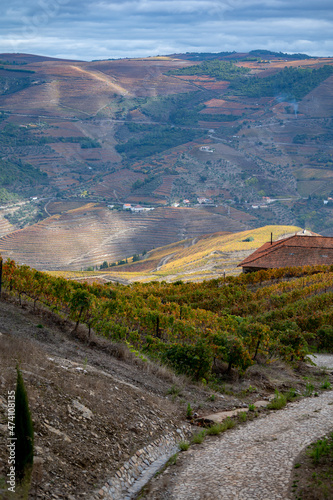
(197, 327)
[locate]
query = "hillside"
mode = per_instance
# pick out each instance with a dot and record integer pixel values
(195, 259)
(99, 364)
(89, 235)
(242, 132)
(85, 452)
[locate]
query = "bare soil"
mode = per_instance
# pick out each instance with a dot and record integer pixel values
(312, 481)
(93, 405)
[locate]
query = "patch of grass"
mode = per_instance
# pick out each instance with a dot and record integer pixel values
(199, 437)
(278, 402)
(326, 385)
(216, 429)
(172, 461)
(309, 388)
(174, 390)
(291, 394)
(314, 477)
(321, 448)
(242, 416)
(184, 445)
(252, 407)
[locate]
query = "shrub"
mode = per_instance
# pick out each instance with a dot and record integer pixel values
(199, 437)
(193, 360)
(216, 429)
(189, 411)
(242, 416)
(324, 338)
(320, 449)
(309, 388)
(291, 394)
(184, 445)
(326, 385)
(278, 402)
(174, 390)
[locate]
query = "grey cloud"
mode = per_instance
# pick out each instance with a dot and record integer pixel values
(97, 29)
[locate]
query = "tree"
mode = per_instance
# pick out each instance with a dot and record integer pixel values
(80, 303)
(24, 433)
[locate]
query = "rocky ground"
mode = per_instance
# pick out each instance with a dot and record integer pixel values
(95, 404)
(92, 405)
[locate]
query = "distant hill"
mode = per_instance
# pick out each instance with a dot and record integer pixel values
(91, 234)
(248, 133)
(21, 58)
(225, 56)
(195, 259)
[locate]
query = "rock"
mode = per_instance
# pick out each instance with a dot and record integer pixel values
(58, 433)
(86, 413)
(3, 429)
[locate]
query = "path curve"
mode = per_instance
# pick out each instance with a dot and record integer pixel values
(255, 460)
(323, 360)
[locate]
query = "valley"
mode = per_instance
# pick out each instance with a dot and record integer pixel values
(231, 143)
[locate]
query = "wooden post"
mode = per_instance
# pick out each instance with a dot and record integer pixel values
(158, 327)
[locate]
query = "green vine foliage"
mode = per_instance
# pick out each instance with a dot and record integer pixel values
(282, 313)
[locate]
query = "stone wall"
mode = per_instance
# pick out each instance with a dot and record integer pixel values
(142, 466)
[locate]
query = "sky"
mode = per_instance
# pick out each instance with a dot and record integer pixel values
(106, 29)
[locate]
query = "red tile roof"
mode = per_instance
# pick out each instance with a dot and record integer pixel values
(293, 251)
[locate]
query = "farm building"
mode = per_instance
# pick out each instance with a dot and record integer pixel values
(297, 250)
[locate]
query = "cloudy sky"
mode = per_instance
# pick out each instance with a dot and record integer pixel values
(100, 29)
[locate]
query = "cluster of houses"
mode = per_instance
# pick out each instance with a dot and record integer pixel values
(205, 201)
(136, 208)
(207, 149)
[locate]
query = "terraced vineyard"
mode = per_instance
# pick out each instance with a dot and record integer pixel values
(81, 121)
(92, 234)
(195, 327)
(5, 227)
(194, 259)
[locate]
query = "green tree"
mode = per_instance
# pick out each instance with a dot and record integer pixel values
(80, 303)
(24, 433)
